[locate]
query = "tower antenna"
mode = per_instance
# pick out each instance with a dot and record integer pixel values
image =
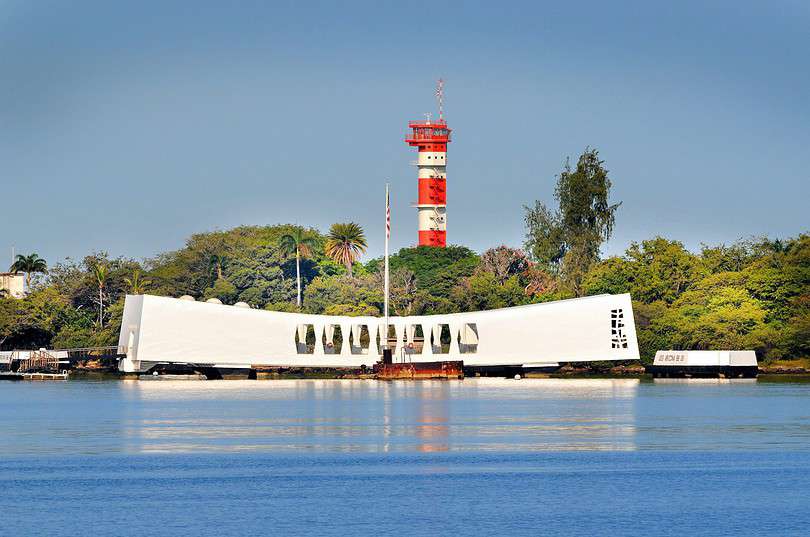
(440, 97)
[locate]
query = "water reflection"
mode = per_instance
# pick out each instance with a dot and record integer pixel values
(704, 381)
(371, 416)
(84, 417)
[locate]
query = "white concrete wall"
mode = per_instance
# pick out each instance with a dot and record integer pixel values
(160, 329)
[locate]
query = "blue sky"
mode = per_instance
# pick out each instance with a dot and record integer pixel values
(128, 126)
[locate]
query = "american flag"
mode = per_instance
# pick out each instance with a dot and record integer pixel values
(387, 215)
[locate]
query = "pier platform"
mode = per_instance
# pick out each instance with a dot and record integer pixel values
(13, 375)
(419, 370)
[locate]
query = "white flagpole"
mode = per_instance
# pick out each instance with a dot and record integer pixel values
(387, 237)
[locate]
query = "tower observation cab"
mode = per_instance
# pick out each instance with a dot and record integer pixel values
(431, 139)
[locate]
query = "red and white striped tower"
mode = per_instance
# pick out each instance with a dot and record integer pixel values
(432, 137)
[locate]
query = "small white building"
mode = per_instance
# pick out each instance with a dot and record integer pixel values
(13, 283)
(704, 363)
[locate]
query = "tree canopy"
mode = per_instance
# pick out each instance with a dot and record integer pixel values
(751, 294)
(566, 241)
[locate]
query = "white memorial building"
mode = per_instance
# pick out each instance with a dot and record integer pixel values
(160, 330)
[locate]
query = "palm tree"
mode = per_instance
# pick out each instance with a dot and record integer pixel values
(137, 284)
(301, 244)
(345, 243)
(29, 264)
(100, 272)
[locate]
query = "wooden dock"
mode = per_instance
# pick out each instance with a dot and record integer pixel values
(34, 365)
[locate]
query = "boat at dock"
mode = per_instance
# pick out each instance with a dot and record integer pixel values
(704, 364)
(405, 369)
(449, 370)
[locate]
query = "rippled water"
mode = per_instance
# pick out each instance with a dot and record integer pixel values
(472, 457)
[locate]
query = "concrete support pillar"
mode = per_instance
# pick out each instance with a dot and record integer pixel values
(301, 331)
(399, 328)
(357, 331)
(437, 338)
(329, 344)
(427, 346)
(345, 333)
(319, 350)
(454, 330)
(375, 331)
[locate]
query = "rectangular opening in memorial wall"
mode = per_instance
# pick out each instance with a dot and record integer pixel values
(415, 339)
(441, 344)
(468, 338)
(305, 339)
(391, 340)
(332, 339)
(361, 339)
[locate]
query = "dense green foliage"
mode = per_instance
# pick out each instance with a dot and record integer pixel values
(567, 241)
(750, 295)
(753, 294)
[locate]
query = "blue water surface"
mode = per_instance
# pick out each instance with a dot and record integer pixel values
(340, 457)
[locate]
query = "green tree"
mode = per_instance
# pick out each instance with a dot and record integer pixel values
(345, 243)
(614, 275)
(327, 291)
(436, 270)
(540, 285)
(353, 310)
(483, 291)
(567, 241)
(288, 307)
(663, 269)
(716, 318)
(504, 262)
(259, 276)
(31, 322)
(101, 272)
(222, 290)
(77, 280)
(30, 265)
(545, 236)
(301, 244)
(137, 284)
(189, 270)
(406, 298)
(425, 261)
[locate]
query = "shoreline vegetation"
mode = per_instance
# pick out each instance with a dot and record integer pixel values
(752, 294)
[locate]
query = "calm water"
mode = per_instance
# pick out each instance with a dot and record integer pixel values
(475, 457)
